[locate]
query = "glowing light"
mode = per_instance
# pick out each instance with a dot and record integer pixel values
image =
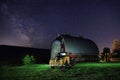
(63, 54)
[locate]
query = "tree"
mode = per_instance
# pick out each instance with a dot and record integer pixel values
(28, 59)
(116, 45)
(105, 55)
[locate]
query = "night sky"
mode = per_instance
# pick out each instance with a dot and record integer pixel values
(36, 23)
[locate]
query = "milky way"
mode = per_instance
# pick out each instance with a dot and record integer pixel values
(35, 23)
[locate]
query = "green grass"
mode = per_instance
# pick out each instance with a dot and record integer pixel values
(81, 71)
(102, 65)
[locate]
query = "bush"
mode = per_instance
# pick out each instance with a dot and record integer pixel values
(28, 60)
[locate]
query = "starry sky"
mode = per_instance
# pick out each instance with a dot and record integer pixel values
(36, 23)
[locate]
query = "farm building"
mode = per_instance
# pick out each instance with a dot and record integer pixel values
(80, 48)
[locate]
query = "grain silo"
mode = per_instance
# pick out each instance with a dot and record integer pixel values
(80, 48)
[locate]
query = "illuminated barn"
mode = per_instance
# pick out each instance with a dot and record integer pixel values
(80, 48)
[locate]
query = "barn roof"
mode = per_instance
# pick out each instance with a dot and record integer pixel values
(79, 45)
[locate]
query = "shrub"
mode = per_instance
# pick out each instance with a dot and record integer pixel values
(28, 59)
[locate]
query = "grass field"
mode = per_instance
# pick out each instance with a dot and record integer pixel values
(81, 71)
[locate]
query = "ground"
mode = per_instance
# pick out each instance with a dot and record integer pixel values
(81, 71)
